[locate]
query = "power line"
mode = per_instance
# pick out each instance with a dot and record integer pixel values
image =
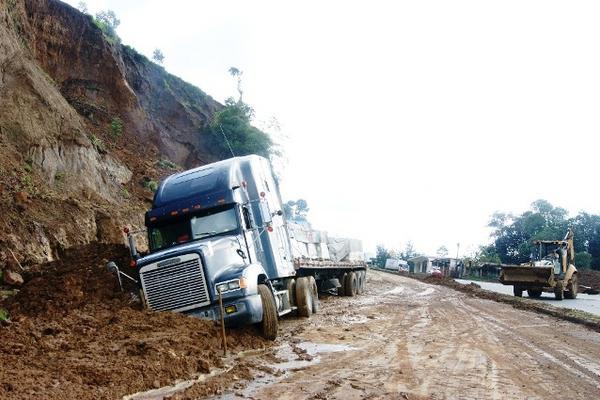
(227, 140)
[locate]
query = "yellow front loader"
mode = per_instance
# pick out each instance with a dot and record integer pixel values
(552, 270)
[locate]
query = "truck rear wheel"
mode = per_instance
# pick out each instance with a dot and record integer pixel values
(361, 282)
(534, 293)
(340, 289)
(304, 297)
(573, 288)
(350, 284)
(559, 290)
(269, 323)
(316, 306)
(517, 291)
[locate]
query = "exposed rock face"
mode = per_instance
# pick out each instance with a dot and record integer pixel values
(67, 175)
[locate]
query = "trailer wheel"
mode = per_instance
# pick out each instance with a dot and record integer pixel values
(361, 280)
(573, 288)
(291, 289)
(316, 306)
(559, 290)
(517, 291)
(340, 289)
(269, 323)
(304, 297)
(350, 284)
(534, 293)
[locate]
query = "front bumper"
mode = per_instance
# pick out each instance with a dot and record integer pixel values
(248, 310)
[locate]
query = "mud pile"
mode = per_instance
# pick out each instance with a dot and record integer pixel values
(589, 277)
(74, 335)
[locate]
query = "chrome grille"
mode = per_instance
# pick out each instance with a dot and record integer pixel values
(176, 284)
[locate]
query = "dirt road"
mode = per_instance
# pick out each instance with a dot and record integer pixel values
(409, 340)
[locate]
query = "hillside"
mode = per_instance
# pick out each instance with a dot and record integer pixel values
(85, 124)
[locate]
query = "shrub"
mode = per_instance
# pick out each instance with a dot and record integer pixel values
(167, 164)
(116, 127)
(98, 144)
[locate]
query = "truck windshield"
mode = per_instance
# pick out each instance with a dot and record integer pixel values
(199, 226)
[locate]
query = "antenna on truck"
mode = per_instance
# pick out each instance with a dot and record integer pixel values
(227, 140)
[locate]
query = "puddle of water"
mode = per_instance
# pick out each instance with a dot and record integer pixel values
(167, 391)
(318, 348)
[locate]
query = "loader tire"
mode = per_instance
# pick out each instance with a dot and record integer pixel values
(269, 323)
(517, 291)
(304, 297)
(340, 290)
(350, 284)
(559, 291)
(534, 293)
(316, 306)
(573, 288)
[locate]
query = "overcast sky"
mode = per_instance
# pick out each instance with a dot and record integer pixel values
(404, 120)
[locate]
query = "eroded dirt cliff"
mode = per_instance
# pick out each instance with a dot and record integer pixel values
(85, 124)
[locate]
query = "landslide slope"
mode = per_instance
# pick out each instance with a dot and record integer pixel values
(84, 122)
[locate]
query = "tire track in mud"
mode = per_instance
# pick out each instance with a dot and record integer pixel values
(409, 339)
(554, 352)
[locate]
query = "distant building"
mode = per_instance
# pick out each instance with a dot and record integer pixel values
(420, 265)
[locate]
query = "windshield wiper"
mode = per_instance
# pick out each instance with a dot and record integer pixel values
(204, 234)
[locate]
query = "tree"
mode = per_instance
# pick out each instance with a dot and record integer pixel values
(513, 235)
(236, 73)
(409, 251)
(108, 22)
(296, 210)
(381, 255)
(158, 56)
(82, 6)
(442, 251)
(231, 131)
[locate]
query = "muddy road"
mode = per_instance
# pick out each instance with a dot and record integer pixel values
(406, 339)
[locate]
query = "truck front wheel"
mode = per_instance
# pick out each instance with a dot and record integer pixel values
(517, 291)
(269, 323)
(304, 300)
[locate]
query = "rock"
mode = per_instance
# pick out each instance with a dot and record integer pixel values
(156, 384)
(12, 278)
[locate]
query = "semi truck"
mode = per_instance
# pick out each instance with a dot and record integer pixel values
(219, 240)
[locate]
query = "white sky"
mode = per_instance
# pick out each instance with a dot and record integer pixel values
(405, 120)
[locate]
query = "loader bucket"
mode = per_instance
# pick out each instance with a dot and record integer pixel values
(527, 276)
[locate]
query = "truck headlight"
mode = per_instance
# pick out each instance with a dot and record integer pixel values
(231, 285)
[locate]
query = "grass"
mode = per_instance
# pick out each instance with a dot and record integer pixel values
(167, 164)
(3, 315)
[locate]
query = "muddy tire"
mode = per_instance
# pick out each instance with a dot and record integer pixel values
(517, 291)
(559, 291)
(291, 288)
(572, 288)
(269, 323)
(340, 290)
(361, 282)
(316, 306)
(534, 293)
(304, 297)
(350, 284)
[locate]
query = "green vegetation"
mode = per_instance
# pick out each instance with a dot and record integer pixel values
(3, 315)
(108, 22)
(231, 131)
(296, 210)
(98, 144)
(116, 127)
(125, 193)
(158, 56)
(513, 234)
(59, 177)
(150, 185)
(167, 164)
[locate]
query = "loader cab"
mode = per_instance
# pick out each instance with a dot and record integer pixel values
(551, 253)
